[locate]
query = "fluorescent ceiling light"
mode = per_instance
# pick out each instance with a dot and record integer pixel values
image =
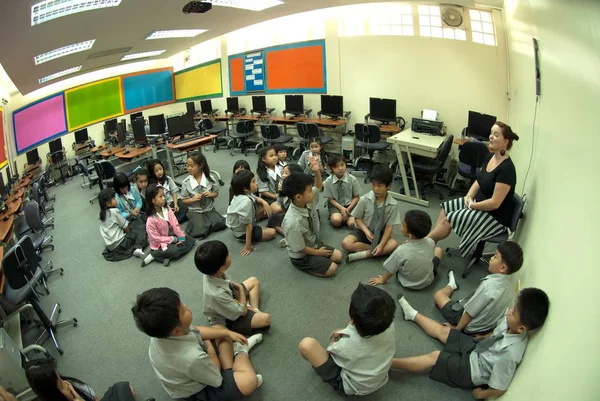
(142, 55)
(252, 5)
(59, 74)
(176, 33)
(64, 51)
(52, 9)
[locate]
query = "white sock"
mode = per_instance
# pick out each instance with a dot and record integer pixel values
(139, 253)
(451, 281)
(357, 256)
(148, 259)
(259, 380)
(252, 341)
(409, 312)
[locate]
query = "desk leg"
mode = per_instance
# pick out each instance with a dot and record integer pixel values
(170, 162)
(407, 197)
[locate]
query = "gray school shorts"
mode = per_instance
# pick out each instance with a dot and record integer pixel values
(331, 373)
(453, 366)
(313, 264)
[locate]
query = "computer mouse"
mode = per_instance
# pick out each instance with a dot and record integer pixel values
(126, 152)
(109, 151)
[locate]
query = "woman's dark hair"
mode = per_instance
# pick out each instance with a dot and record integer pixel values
(104, 197)
(261, 168)
(322, 153)
(241, 181)
(42, 377)
(240, 163)
(151, 192)
(507, 133)
(121, 181)
(153, 178)
(200, 160)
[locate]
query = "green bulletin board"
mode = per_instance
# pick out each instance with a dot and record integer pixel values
(92, 103)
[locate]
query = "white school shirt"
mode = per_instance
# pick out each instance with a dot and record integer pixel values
(190, 187)
(489, 302)
(240, 213)
(365, 210)
(170, 188)
(111, 229)
(297, 229)
(272, 183)
(413, 263)
(342, 192)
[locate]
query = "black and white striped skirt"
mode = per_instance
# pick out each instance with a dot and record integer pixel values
(470, 225)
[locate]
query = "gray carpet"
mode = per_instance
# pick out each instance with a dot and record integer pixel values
(107, 347)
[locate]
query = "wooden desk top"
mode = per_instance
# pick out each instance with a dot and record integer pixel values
(222, 118)
(389, 128)
(22, 183)
(133, 152)
(97, 148)
(111, 151)
(31, 167)
(288, 120)
(12, 207)
(16, 195)
(191, 144)
(326, 121)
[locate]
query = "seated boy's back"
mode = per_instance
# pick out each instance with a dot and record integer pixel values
(489, 302)
(413, 263)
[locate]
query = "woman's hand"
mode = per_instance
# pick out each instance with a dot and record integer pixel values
(468, 201)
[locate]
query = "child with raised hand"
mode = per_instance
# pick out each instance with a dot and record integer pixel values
(315, 150)
(141, 181)
(237, 166)
(120, 240)
(158, 176)
(358, 358)
(342, 191)
(198, 193)
(167, 239)
(282, 152)
(416, 261)
(227, 303)
(282, 200)
(129, 200)
(183, 356)
(269, 176)
(241, 214)
(375, 215)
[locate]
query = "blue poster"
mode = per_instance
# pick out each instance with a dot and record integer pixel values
(254, 72)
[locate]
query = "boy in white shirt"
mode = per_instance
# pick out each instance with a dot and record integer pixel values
(342, 191)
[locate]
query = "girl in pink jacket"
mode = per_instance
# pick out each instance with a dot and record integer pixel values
(167, 239)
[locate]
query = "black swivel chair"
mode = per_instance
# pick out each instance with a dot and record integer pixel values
(478, 255)
(38, 231)
(44, 184)
(272, 135)
(243, 130)
(306, 131)
(425, 168)
(368, 138)
(59, 160)
(207, 127)
(21, 280)
(470, 159)
(106, 173)
(37, 197)
(89, 179)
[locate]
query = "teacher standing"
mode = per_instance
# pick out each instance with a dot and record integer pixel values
(487, 209)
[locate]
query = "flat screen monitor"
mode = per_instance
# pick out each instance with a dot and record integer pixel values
(187, 124)
(480, 125)
(233, 104)
(383, 110)
(181, 125)
(139, 132)
(206, 106)
(33, 156)
(294, 104)
(191, 108)
(111, 125)
(157, 124)
(136, 115)
(81, 136)
(259, 104)
(121, 133)
(55, 145)
(332, 106)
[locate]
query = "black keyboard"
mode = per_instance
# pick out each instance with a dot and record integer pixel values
(188, 139)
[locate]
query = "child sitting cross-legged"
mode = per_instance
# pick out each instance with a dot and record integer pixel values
(231, 304)
(491, 362)
(358, 357)
(416, 261)
(342, 191)
(183, 356)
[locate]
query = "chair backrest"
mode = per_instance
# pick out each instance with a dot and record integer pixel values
(82, 168)
(245, 126)
(107, 169)
(308, 130)
(270, 131)
(444, 149)
(368, 133)
(32, 216)
(20, 263)
(518, 206)
(472, 154)
(35, 192)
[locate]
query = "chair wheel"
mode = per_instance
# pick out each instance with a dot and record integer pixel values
(221, 183)
(230, 153)
(464, 275)
(60, 351)
(59, 310)
(214, 150)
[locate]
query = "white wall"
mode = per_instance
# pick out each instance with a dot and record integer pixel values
(560, 229)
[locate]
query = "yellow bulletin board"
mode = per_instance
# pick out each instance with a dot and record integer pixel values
(199, 82)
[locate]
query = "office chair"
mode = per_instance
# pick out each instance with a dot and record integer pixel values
(207, 127)
(470, 159)
(368, 138)
(106, 172)
(46, 221)
(20, 287)
(272, 134)
(58, 160)
(44, 184)
(243, 130)
(305, 132)
(425, 168)
(478, 254)
(38, 233)
(88, 179)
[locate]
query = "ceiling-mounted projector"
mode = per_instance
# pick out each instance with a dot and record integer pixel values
(196, 7)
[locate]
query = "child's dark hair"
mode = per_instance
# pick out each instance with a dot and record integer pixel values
(156, 312)
(210, 256)
(512, 255)
(240, 182)
(200, 160)
(533, 305)
(292, 168)
(261, 167)
(418, 223)
(152, 177)
(372, 310)
(295, 184)
(280, 147)
(240, 163)
(104, 197)
(121, 181)
(322, 153)
(41, 375)
(151, 192)
(334, 159)
(140, 172)
(381, 174)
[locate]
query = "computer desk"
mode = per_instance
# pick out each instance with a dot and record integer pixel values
(22, 183)
(406, 144)
(133, 153)
(106, 153)
(185, 147)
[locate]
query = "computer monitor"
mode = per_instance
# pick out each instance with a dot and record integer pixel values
(294, 104)
(136, 115)
(81, 136)
(33, 156)
(111, 125)
(480, 125)
(206, 106)
(121, 138)
(233, 104)
(55, 146)
(259, 104)
(157, 124)
(332, 106)
(139, 131)
(180, 125)
(191, 108)
(187, 124)
(383, 110)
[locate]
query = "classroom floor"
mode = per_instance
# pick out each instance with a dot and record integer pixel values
(107, 347)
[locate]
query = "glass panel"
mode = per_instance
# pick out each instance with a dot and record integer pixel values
(477, 37)
(489, 40)
(474, 14)
(436, 21)
(407, 19)
(434, 10)
(425, 31)
(423, 10)
(486, 17)
(424, 20)
(448, 33)
(460, 34)
(476, 26)
(436, 32)
(404, 9)
(488, 28)
(396, 30)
